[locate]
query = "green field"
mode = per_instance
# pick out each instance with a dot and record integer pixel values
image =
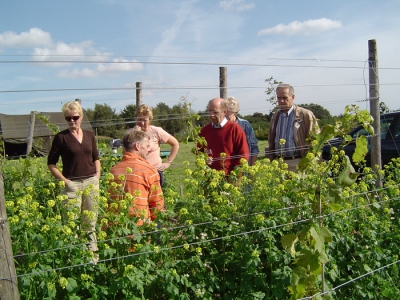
(175, 173)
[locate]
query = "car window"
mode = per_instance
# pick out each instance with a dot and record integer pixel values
(360, 132)
(396, 132)
(385, 123)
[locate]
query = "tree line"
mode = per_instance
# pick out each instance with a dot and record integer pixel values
(108, 123)
(174, 119)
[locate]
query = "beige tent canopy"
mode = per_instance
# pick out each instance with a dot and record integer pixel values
(16, 131)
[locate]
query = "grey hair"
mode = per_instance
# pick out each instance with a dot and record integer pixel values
(132, 137)
(231, 104)
(286, 86)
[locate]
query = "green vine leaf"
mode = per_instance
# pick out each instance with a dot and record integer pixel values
(325, 234)
(323, 258)
(361, 149)
(327, 132)
(288, 242)
(317, 271)
(334, 195)
(308, 259)
(335, 207)
(302, 234)
(319, 243)
(220, 224)
(376, 205)
(72, 285)
(297, 289)
(348, 175)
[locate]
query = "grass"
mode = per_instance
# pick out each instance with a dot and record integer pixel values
(176, 173)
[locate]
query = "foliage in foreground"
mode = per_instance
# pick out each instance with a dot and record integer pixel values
(271, 235)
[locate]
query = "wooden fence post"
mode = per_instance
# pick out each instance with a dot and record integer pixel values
(31, 133)
(8, 279)
(374, 108)
(223, 82)
(138, 94)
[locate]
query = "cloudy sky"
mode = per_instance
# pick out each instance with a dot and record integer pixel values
(52, 52)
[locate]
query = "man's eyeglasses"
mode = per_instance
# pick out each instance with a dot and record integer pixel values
(75, 118)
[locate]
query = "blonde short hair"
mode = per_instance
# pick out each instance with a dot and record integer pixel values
(144, 111)
(72, 106)
(231, 104)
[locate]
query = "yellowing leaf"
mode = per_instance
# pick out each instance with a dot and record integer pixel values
(288, 241)
(361, 149)
(319, 244)
(325, 234)
(348, 175)
(323, 258)
(335, 207)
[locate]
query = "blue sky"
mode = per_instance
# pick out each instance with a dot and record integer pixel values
(56, 51)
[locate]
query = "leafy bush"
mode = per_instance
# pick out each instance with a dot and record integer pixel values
(268, 235)
(261, 134)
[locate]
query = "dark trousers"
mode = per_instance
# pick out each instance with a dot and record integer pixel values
(161, 173)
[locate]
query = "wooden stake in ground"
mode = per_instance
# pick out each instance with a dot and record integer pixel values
(375, 140)
(8, 280)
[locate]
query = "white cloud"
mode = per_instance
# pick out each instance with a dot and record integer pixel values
(61, 52)
(307, 27)
(77, 73)
(107, 69)
(35, 37)
(238, 5)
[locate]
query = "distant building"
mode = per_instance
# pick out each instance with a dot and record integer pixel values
(15, 130)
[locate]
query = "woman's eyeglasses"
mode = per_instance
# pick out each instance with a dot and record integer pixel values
(69, 119)
(142, 120)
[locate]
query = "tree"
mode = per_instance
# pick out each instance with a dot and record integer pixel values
(383, 108)
(256, 118)
(322, 114)
(173, 120)
(162, 115)
(105, 120)
(260, 123)
(319, 112)
(128, 115)
(204, 118)
(271, 86)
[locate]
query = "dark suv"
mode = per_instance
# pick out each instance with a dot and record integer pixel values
(390, 140)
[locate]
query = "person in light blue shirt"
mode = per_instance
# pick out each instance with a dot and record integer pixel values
(232, 107)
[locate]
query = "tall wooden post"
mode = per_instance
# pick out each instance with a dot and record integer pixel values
(375, 140)
(138, 94)
(223, 82)
(8, 279)
(31, 132)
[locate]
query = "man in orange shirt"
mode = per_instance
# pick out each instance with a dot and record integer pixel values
(138, 178)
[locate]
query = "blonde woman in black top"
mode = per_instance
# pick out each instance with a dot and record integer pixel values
(81, 168)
